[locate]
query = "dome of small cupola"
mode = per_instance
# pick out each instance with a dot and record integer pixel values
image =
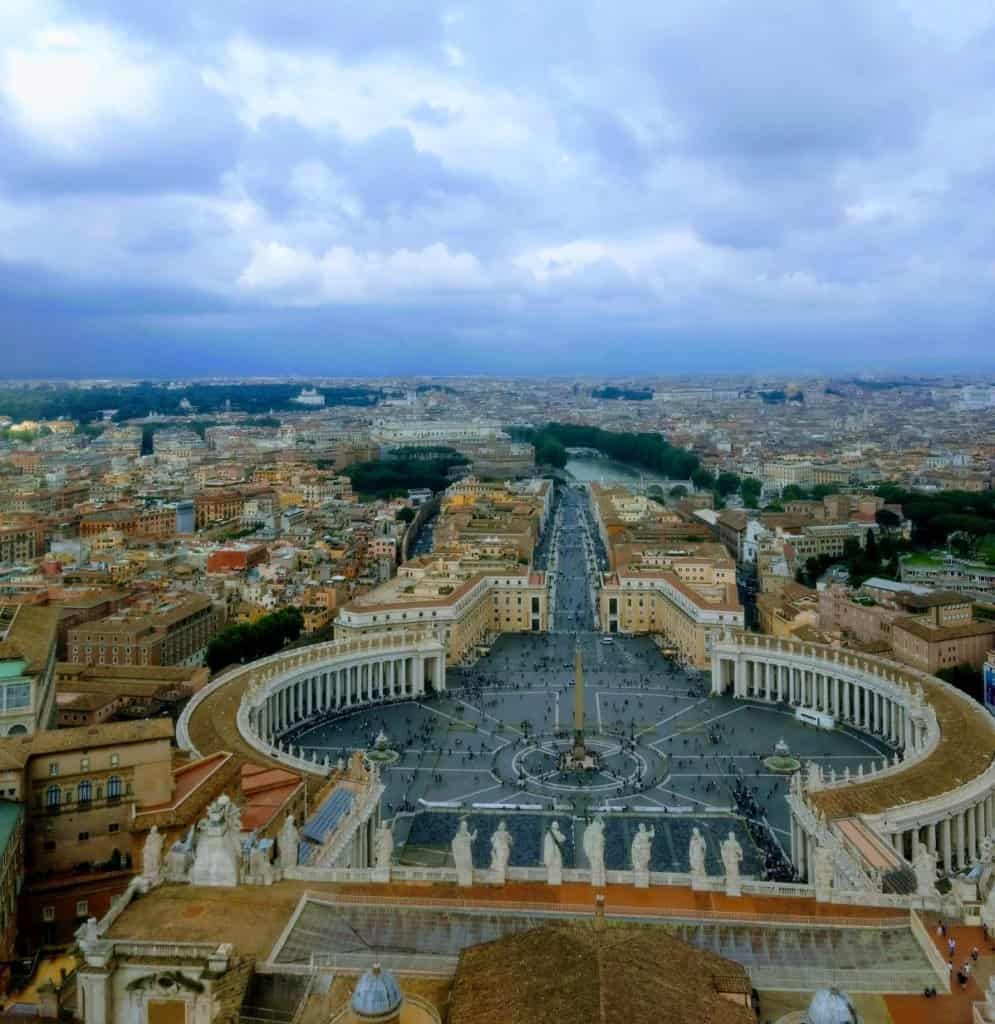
(377, 998)
(831, 1006)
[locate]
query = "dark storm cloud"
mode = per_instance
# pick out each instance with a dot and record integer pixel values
(351, 28)
(648, 184)
(187, 143)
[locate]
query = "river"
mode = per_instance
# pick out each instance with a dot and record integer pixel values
(587, 469)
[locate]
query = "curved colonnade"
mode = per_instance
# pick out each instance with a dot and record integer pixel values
(288, 689)
(939, 789)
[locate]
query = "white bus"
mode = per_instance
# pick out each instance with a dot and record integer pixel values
(817, 718)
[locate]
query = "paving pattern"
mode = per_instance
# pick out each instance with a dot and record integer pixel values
(468, 747)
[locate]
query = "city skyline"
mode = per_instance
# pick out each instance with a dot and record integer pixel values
(573, 189)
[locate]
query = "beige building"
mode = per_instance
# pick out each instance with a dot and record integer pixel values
(930, 648)
(28, 641)
(464, 606)
(81, 789)
(477, 583)
(667, 577)
(793, 609)
(684, 615)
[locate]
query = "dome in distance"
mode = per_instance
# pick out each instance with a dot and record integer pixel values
(377, 996)
(830, 1006)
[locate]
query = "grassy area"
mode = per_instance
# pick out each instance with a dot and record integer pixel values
(923, 560)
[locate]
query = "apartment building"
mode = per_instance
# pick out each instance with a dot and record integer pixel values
(133, 521)
(22, 538)
(175, 631)
(217, 506)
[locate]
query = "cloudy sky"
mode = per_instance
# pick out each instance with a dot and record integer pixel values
(596, 186)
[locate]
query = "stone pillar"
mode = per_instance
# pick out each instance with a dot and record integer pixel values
(945, 843)
(96, 989)
(960, 844)
(931, 836)
(972, 848)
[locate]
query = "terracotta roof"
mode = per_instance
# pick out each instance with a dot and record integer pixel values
(733, 518)
(618, 974)
(15, 751)
(934, 634)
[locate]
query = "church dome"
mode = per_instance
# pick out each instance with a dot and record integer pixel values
(830, 1006)
(377, 996)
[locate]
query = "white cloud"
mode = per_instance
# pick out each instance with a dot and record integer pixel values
(66, 82)
(341, 273)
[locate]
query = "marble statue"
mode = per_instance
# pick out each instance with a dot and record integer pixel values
(924, 864)
(594, 850)
(288, 844)
(696, 855)
(260, 866)
(218, 856)
(501, 843)
(179, 858)
(987, 849)
(642, 849)
(732, 855)
(823, 871)
(463, 853)
(383, 852)
(152, 856)
(552, 854)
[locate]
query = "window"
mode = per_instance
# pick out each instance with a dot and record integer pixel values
(84, 792)
(48, 914)
(82, 908)
(53, 768)
(84, 764)
(113, 827)
(53, 796)
(49, 845)
(16, 695)
(114, 788)
(83, 836)
(115, 760)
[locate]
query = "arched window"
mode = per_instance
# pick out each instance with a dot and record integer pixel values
(84, 792)
(53, 796)
(114, 788)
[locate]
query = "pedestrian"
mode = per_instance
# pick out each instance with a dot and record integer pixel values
(974, 954)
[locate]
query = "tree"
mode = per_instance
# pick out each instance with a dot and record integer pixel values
(406, 514)
(550, 452)
(727, 483)
(678, 491)
(244, 642)
(702, 479)
(792, 492)
(750, 489)
(887, 519)
(871, 547)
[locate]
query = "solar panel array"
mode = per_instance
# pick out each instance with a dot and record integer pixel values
(328, 815)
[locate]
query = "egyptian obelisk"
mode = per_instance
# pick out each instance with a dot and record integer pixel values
(579, 750)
